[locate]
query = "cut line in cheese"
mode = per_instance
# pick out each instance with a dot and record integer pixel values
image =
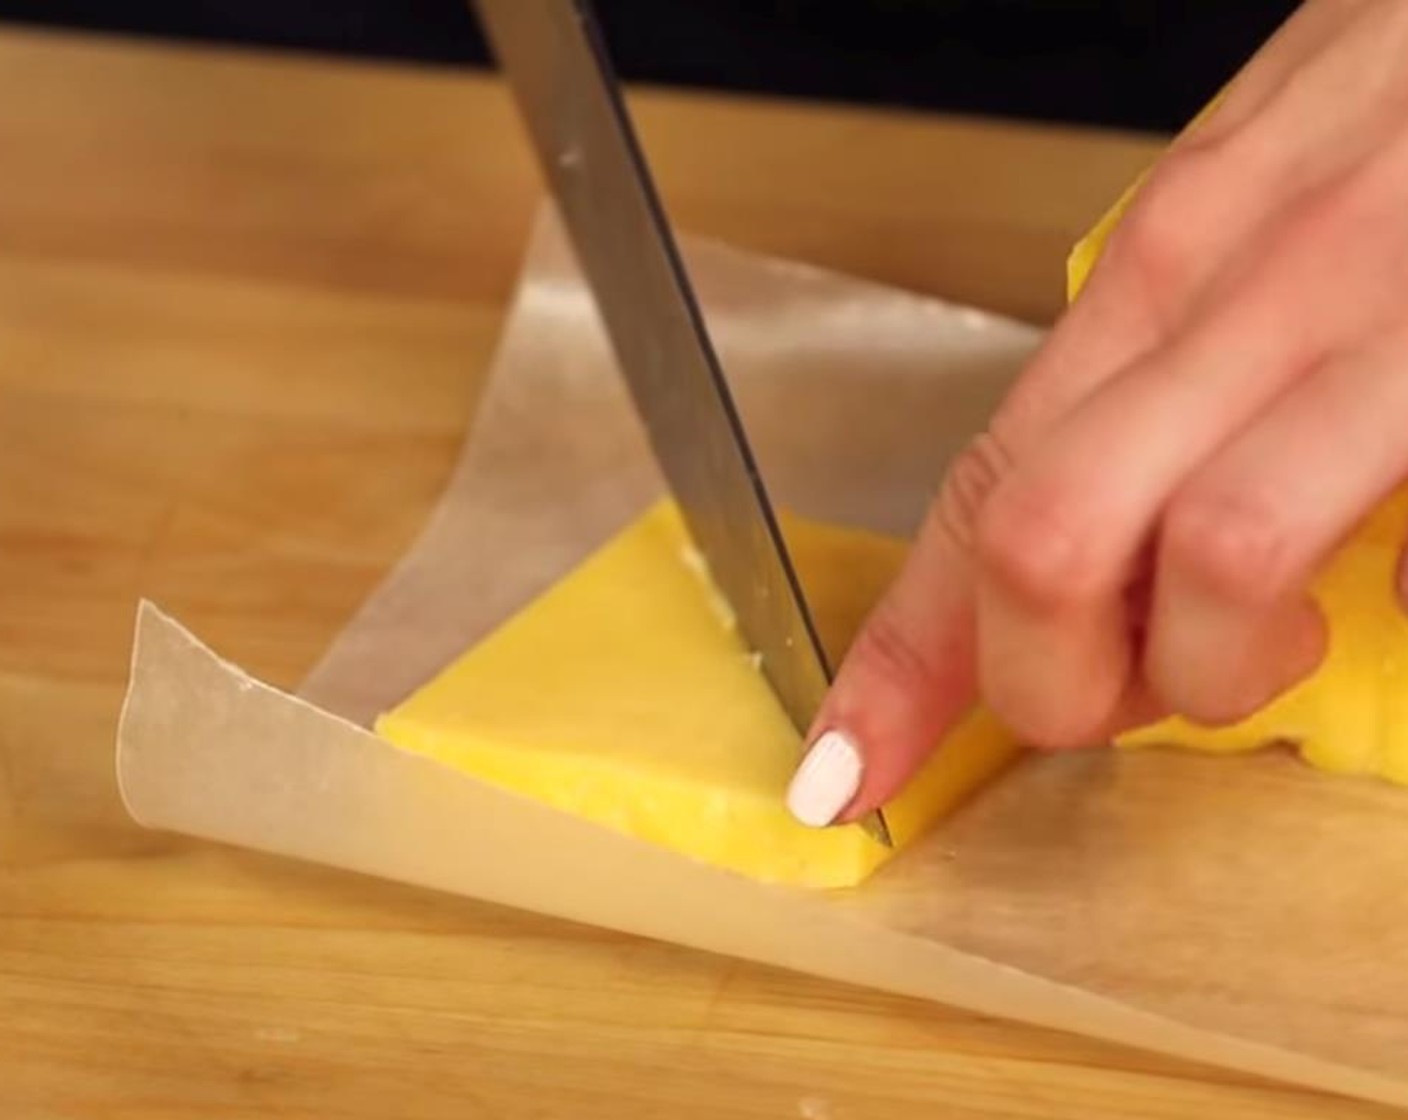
(623, 695)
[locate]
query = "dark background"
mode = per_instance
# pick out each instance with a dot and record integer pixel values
(1146, 64)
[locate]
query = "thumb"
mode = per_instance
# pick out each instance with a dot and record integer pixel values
(910, 674)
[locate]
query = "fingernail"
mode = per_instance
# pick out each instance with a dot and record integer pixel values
(826, 781)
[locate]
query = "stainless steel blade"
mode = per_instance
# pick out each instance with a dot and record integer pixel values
(553, 56)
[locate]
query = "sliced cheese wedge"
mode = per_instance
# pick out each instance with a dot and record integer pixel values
(624, 695)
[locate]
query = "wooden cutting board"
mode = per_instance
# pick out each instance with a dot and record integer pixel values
(244, 301)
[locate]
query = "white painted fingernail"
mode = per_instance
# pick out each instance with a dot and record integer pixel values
(826, 781)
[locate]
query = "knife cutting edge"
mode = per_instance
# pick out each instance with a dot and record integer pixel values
(553, 54)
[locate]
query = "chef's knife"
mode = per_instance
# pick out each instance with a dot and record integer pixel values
(553, 55)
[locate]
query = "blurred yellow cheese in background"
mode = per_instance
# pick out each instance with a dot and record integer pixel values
(1351, 716)
(624, 695)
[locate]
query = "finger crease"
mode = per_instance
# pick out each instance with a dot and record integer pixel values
(973, 476)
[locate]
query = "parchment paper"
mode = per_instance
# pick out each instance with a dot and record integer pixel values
(854, 396)
(1241, 911)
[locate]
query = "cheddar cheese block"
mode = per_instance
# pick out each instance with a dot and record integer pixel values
(625, 695)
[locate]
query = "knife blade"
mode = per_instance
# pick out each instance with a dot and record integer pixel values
(553, 54)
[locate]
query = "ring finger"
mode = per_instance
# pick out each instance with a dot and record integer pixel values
(1245, 534)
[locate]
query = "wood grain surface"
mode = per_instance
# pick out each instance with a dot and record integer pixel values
(244, 301)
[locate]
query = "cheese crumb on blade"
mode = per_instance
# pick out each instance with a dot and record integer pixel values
(622, 696)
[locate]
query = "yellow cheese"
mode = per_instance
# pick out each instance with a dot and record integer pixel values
(1351, 716)
(624, 696)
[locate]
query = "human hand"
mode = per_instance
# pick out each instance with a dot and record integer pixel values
(1135, 533)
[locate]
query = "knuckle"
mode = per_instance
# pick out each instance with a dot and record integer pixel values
(1031, 544)
(970, 479)
(1235, 547)
(1080, 720)
(1321, 222)
(1221, 707)
(1068, 731)
(1211, 702)
(888, 648)
(1163, 234)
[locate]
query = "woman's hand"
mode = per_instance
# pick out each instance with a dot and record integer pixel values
(1135, 533)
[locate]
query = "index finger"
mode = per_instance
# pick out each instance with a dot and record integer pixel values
(910, 676)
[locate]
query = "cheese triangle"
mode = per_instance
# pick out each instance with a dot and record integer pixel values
(624, 695)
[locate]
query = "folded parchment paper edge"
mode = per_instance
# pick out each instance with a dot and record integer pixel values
(207, 750)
